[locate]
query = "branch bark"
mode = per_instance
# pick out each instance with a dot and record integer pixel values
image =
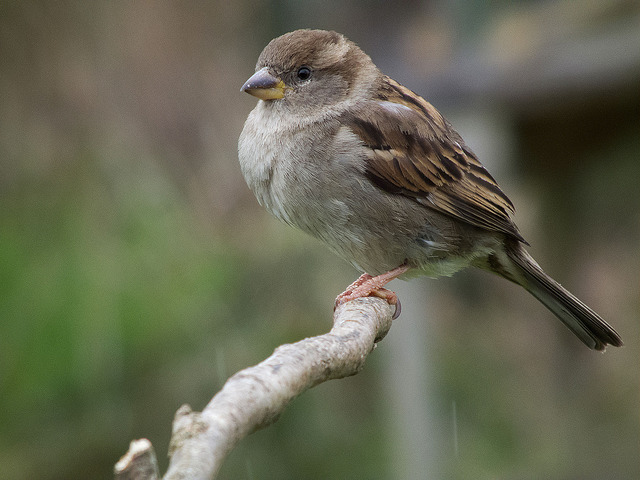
(138, 463)
(255, 397)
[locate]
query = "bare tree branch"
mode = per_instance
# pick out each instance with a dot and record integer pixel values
(255, 397)
(138, 463)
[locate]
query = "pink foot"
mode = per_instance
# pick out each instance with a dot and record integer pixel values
(368, 286)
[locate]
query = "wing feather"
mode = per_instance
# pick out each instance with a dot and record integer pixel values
(414, 151)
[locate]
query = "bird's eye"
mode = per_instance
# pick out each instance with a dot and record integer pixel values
(303, 73)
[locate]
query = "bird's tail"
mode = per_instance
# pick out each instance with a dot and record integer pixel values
(581, 320)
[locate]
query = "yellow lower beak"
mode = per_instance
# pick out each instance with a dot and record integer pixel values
(264, 85)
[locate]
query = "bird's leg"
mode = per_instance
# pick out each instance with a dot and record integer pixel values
(368, 286)
(361, 279)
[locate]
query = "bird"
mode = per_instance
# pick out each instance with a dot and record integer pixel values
(345, 153)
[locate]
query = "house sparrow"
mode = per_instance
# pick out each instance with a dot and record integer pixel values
(345, 153)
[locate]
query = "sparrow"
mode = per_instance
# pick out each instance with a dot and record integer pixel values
(343, 152)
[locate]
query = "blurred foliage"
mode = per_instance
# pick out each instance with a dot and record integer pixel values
(137, 272)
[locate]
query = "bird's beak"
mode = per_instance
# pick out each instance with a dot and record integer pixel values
(264, 85)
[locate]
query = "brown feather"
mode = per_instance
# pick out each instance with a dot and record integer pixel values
(415, 152)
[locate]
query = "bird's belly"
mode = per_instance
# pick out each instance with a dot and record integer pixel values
(375, 236)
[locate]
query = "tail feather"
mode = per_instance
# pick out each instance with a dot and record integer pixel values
(581, 320)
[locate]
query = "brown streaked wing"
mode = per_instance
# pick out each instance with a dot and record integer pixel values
(415, 152)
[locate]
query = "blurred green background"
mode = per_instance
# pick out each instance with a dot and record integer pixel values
(137, 271)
